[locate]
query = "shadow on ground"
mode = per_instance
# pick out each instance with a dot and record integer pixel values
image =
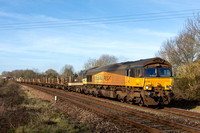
(184, 104)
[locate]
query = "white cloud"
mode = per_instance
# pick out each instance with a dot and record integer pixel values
(37, 21)
(49, 46)
(29, 17)
(11, 15)
(153, 33)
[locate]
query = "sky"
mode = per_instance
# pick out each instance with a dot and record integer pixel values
(44, 34)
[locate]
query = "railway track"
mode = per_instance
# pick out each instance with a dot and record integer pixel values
(189, 114)
(126, 115)
(173, 111)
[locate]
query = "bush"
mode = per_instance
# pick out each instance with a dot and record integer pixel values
(183, 90)
(11, 114)
(187, 83)
(11, 95)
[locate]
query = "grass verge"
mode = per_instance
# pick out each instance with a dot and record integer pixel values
(21, 111)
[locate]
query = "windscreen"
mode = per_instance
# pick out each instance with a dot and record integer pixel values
(151, 72)
(164, 72)
(158, 72)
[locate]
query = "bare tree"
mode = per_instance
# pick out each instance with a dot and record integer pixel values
(102, 61)
(184, 48)
(21, 73)
(193, 26)
(7, 74)
(90, 63)
(67, 71)
(50, 73)
(29, 74)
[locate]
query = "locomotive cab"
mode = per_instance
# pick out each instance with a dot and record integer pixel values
(152, 79)
(144, 82)
(158, 82)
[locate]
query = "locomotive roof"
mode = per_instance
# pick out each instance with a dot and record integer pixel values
(124, 65)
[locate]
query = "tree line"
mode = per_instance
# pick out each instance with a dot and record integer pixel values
(66, 71)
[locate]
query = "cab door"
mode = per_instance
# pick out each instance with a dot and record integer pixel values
(138, 80)
(128, 76)
(134, 77)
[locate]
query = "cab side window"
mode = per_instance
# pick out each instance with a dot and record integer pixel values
(130, 72)
(89, 78)
(84, 75)
(127, 72)
(138, 72)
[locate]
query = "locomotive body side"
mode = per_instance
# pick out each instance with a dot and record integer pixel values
(106, 78)
(131, 82)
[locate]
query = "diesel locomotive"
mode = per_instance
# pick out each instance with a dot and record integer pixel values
(143, 82)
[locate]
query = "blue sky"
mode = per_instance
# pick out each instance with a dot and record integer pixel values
(43, 34)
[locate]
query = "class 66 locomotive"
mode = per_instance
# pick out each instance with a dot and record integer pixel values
(144, 82)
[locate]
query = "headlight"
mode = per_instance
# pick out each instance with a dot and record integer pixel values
(147, 87)
(169, 86)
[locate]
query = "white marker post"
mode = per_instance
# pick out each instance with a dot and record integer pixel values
(56, 99)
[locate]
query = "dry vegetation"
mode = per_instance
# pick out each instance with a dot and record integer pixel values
(10, 99)
(20, 112)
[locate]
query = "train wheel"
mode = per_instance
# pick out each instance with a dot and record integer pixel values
(118, 98)
(93, 94)
(141, 103)
(130, 102)
(124, 100)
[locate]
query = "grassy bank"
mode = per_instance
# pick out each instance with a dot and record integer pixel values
(21, 111)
